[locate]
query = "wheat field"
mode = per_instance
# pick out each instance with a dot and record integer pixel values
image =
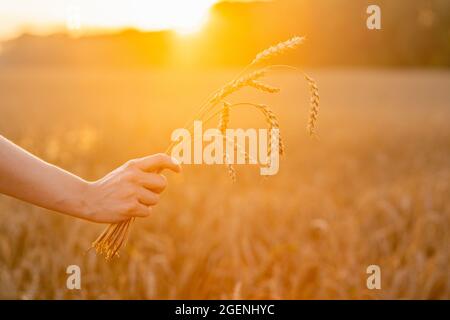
(373, 189)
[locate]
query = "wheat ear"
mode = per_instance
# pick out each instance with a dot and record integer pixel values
(263, 87)
(273, 123)
(314, 105)
(269, 116)
(224, 120)
(236, 85)
(278, 49)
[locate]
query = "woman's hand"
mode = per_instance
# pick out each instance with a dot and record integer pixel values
(129, 191)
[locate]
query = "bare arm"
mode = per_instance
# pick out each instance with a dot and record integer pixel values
(129, 191)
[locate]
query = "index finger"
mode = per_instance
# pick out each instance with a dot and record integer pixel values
(158, 162)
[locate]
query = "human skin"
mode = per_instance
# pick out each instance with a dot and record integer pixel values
(131, 190)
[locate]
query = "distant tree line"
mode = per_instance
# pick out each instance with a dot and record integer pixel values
(414, 33)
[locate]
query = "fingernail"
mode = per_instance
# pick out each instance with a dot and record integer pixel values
(175, 161)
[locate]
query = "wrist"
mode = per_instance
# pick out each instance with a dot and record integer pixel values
(85, 207)
(78, 200)
(71, 199)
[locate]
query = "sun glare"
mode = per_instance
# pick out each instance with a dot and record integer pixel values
(84, 16)
(183, 16)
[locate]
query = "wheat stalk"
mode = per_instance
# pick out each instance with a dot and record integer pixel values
(112, 239)
(115, 235)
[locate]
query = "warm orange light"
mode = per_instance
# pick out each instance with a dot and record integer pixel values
(87, 15)
(182, 16)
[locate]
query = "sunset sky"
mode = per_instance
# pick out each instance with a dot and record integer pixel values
(46, 16)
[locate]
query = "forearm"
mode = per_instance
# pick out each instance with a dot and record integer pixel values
(31, 179)
(127, 192)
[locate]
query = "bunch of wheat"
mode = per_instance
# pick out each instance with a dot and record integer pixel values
(115, 235)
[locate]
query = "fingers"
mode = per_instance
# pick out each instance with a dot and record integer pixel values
(152, 181)
(138, 210)
(141, 183)
(147, 197)
(157, 162)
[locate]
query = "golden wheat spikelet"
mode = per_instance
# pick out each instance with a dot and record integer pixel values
(236, 85)
(273, 123)
(278, 49)
(263, 87)
(314, 105)
(224, 120)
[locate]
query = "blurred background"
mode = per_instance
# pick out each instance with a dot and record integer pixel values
(211, 33)
(88, 85)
